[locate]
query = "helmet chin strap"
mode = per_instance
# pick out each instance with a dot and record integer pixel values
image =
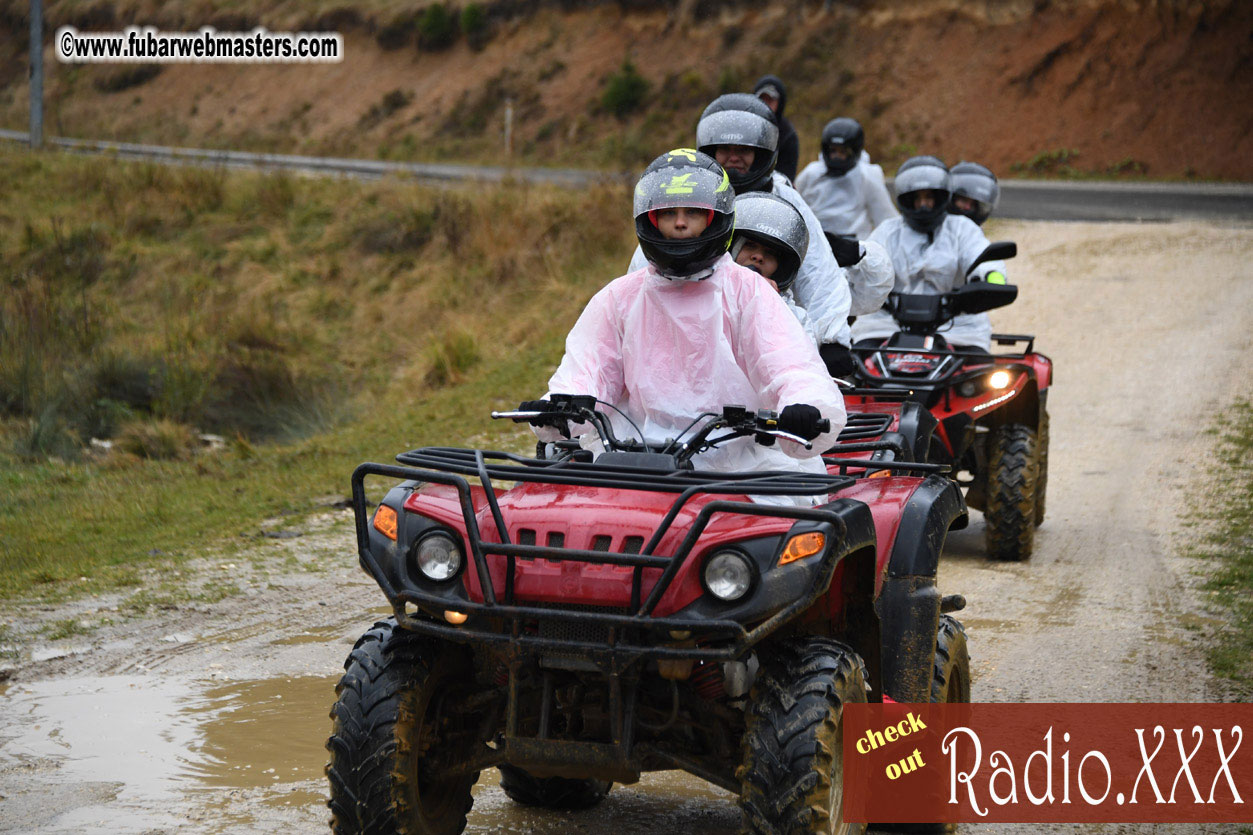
(699, 275)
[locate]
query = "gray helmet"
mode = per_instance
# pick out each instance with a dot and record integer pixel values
(741, 119)
(684, 178)
(919, 174)
(775, 223)
(974, 181)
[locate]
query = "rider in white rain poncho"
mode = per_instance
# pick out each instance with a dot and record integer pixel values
(693, 331)
(931, 251)
(975, 195)
(738, 131)
(844, 188)
(771, 239)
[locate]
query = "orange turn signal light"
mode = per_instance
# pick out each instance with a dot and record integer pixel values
(385, 521)
(455, 618)
(802, 545)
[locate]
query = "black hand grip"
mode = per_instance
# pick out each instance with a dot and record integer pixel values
(824, 425)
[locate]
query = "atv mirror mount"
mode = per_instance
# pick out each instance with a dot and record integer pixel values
(999, 251)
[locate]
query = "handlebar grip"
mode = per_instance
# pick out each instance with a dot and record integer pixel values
(824, 425)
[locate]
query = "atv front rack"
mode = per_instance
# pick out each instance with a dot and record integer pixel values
(950, 377)
(627, 630)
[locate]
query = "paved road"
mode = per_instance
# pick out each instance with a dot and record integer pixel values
(1020, 199)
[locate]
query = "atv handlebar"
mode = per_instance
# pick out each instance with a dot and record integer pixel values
(762, 425)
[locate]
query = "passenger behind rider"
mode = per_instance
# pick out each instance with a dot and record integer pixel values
(844, 188)
(771, 240)
(739, 132)
(692, 331)
(975, 195)
(931, 251)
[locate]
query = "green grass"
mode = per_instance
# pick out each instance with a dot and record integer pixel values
(1226, 545)
(274, 311)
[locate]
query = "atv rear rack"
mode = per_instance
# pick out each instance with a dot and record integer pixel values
(449, 466)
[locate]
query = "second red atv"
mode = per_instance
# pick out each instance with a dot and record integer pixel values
(577, 622)
(992, 423)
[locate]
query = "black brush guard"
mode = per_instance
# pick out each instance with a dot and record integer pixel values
(449, 466)
(951, 378)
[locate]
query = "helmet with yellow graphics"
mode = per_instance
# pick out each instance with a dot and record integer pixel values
(675, 184)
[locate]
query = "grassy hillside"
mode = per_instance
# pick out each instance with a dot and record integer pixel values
(312, 324)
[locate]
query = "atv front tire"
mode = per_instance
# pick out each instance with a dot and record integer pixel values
(551, 792)
(792, 774)
(1010, 504)
(950, 680)
(394, 686)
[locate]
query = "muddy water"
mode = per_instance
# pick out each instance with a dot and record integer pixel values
(245, 754)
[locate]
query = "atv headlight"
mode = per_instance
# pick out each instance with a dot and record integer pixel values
(728, 575)
(998, 379)
(968, 389)
(438, 556)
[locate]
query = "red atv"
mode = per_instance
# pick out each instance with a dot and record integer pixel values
(597, 619)
(992, 421)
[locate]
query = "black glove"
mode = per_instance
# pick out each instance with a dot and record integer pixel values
(847, 250)
(547, 418)
(801, 419)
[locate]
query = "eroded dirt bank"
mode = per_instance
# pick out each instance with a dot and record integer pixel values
(210, 718)
(1111, 87)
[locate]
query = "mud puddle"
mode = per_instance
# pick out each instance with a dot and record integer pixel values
(149, 746)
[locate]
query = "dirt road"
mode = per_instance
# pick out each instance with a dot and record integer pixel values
(210, 718)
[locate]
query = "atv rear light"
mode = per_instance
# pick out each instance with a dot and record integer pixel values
(438, 556)
(728, 575)
(385, 521)
(998, 379)
(803, 545)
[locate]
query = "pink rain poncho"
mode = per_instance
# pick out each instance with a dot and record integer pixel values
(664, 351)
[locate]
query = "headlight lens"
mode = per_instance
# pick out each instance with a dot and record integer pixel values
(728, 575)
(967, 389)
(438, 557)
(998, 379)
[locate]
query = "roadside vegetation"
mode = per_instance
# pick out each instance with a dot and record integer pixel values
(1225, 542)
(185, 352)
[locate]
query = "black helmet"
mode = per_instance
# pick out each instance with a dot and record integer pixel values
(689, 179)
(918, 174)
(741, 119)
(847, 133)
(977, 183)
(774, 222)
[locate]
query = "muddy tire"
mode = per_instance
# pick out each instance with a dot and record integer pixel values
(950, 680)
(792, 772)
(1010, 503)
(551, 792)
(394, 682)
(1042, 478)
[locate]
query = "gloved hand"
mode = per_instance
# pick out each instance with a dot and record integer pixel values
(801, 419)
(547, 418)
(847, 251)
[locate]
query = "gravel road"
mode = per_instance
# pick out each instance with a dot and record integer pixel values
(210, 718)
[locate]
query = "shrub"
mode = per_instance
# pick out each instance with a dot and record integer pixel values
(624, 91)
(451, 357)
(125, 76)
(436, 28)
(474, 26)
(396, 33)
(162, 440)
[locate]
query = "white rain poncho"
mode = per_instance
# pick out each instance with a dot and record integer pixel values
(665, 351)
(828, 293)
(855, 203)
(935, 263)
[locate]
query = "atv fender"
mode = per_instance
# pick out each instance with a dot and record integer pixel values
(909, 600)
